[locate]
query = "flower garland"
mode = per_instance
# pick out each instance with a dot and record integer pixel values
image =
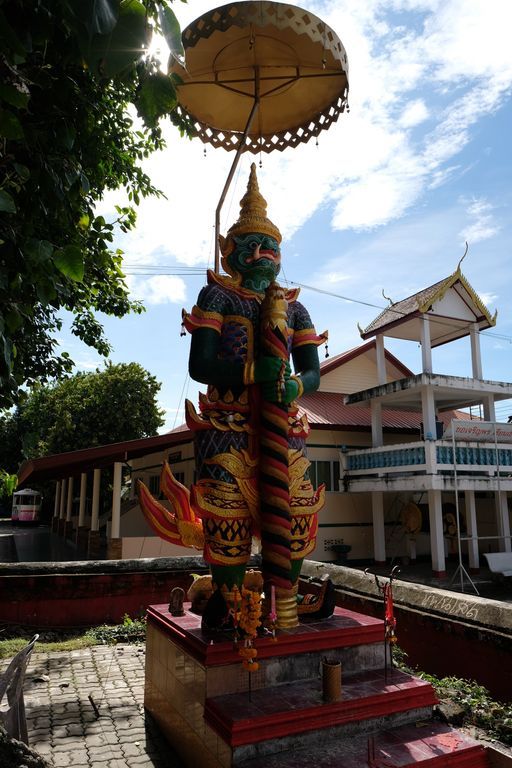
(249, 620)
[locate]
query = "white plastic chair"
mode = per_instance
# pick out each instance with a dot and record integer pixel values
(12, 714)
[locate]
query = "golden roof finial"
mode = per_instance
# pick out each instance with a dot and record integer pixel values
(457, 271)
(253, 212)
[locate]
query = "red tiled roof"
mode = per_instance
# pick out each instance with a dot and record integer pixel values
(326, 410)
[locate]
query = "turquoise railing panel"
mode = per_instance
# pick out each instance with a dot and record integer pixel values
(393, 459)
(474, 456)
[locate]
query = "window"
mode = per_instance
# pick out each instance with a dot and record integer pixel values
(154, 485)
(327, 472)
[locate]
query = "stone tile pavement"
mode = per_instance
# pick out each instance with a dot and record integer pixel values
(60, 692)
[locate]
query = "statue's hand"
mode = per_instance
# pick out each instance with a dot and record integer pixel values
(277, 392)
(270, 369)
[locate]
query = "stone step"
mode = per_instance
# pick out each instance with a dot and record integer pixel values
(271, 720)
(427, 745)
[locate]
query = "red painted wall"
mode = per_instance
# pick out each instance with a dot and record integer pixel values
(446, 648)
(61, 600)
(83, 600)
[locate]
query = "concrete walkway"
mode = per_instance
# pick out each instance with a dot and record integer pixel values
(63, 725)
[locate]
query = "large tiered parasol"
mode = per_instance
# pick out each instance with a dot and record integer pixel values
(260, 76)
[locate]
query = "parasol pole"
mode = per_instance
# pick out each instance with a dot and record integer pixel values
(234, 164)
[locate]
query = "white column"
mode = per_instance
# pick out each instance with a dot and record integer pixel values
(376, 415)
(83, 496)
(489, 410)
(95, 512)
(476, 357)
(381, 359)
(56, 507)
(426, 348)
(503, 521)
(428, 412)
(69, 505)
(116, 501)
(62, 512)
(435, 510)
(472, 529)
(379, 536)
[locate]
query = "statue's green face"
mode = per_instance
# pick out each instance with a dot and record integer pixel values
(257, 258)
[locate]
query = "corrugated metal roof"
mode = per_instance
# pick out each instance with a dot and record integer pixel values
(61, 465)
(327, 410)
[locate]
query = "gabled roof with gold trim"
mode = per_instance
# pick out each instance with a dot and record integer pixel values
(444, 327)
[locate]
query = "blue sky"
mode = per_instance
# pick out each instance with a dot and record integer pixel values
(385, 202)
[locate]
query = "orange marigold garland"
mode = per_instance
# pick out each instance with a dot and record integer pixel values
(249, 621)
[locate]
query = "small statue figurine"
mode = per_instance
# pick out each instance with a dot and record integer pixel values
(176, 602)
(252, 470)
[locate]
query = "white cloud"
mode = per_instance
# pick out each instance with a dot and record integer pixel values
(481, 224)
(334, 278)
(89, 365)
(417, 88)
(414, 113)
(159, 289)
(488, 298)
(471, 39)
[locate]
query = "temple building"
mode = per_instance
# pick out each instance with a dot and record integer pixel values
(381, 440)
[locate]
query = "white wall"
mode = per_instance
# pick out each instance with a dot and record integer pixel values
(357, 374)
(135, 547)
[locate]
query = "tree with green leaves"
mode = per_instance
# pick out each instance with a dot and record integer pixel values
(70, 72)
(88, 409)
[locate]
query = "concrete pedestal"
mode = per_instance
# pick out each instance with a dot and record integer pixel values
(82, 539)
(114, 549)
(95, 545)
(68, 530)
(215, 717)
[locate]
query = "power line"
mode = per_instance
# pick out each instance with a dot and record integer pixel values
(193, 271)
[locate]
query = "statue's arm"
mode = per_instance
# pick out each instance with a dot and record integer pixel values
(206, 365)
(307, 366)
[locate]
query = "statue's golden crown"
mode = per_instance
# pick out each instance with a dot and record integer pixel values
(253, 216)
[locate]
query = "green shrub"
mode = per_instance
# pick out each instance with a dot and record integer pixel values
(480, 710)
(130, 631)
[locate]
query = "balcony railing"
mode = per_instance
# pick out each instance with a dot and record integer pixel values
(474, 455)
(429, 456)
(401, 456)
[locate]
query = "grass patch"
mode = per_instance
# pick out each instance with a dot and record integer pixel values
(480, 710)
(11, 646)
(13, 639)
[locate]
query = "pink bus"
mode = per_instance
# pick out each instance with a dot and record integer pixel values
(26, 506)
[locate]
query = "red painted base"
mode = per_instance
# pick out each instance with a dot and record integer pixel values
(273, 713)
(428, 745)
(342, 630)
